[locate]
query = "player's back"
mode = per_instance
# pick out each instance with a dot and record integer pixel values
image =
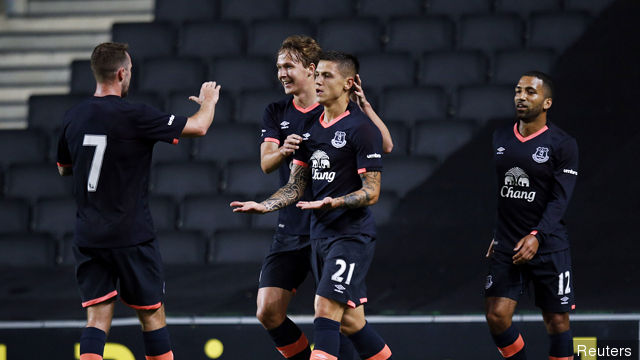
(110, 143)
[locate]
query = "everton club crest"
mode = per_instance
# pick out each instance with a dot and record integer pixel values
(339, 139)
(541, 155)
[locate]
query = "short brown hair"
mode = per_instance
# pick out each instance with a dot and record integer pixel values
(107, 58)
(302, 48)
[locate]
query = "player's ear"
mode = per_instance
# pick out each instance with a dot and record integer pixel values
(120, 75)
(312, 70)
(547, 103)
(348, 84)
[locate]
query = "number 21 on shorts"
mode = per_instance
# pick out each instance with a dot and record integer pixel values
(337, 276)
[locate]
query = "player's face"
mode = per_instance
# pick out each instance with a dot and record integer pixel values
(293, 76)
(127, 77)
(530, 98)
(330, 83)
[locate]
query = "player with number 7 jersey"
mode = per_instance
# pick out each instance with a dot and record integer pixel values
(107, 144)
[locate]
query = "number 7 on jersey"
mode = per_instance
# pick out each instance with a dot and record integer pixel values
(100, 142)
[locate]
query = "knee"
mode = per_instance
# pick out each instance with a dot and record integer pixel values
(269, 316)
(351, 325)
(499, 321)
(556, 322)
(153, 319)
(329, 309)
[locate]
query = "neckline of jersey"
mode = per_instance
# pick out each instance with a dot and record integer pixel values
(335, 120)
(304, 110)
(525, 139)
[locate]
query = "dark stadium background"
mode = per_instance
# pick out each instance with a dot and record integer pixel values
(441, 75)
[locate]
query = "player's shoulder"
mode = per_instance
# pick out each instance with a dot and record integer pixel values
(280, 104)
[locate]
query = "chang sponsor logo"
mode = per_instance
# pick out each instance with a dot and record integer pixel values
(516, 183)
(319, 165)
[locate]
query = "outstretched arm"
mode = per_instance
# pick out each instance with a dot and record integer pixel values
(366, 196)
(365, 106)
(285, 196)
(198, 123)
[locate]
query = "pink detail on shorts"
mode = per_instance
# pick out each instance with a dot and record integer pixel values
(100, 299)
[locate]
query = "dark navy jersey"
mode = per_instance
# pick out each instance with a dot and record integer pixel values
(337, 153)
(536, 176)
(281, 119)
(108, 142)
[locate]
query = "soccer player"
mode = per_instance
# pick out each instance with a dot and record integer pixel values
(341, 157)
(537, 166)
(107, 143)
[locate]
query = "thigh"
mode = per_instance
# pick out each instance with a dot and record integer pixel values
(552, 278)
(141, 275)
(504, 280)
(286, 269)
(347, 261)
(95, 275)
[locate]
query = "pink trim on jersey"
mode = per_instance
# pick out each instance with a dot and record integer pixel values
(304, 110)
(100, 299)
(143, 307)
(362, 171)
(270, 139)
(522, 138)
(301, 163)
(175, 141)
(340, 117)
(64, 165)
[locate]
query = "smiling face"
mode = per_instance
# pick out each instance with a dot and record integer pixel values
(292, 74)
(531, 98)
(331, 83)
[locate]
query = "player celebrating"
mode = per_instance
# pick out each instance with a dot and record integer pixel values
(342, 159)
(107, 144)
(288, 262)
(537, 166)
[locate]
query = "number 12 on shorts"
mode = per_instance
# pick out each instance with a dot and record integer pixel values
(562, 290)
(337, 276)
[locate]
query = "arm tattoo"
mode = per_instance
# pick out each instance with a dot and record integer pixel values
(291, 192)
(365, 196)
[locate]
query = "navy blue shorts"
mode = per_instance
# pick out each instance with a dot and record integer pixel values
(286, 269)
(550, 274)
(135, 270)
(340, 265)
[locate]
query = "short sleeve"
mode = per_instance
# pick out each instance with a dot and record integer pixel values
(270, 127)
(64, 155)
(154, 124)
(368, 145)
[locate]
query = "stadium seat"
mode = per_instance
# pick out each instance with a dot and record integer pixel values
(82, 80)
(210, 213)
(412, 103)
(211, 39)
(14, 216)
(46, 112)
(180, 104)
(22, 146)
(147, 98)
(417, 35)
(180, 179)
(266, 36)
(27, 250)
(556, 30)
(364, 35)
(182, 247)
(55, 216)
(180, 152)
(524, 8)
(400, 136)
(403, 174)
(485, 102)
(164, 213)
(177, 12)
(592, 6)
(251, 105)
(34, 181)
(320, 9)
(65, 256)
(245, 177)
(384, 208)
(229, 142)
(384, 70)
(152, 39)
(491, 32)
(510, 65)
(248, 10)
(164, 75)
(241, 246)
(383, 8)
(440, 139)
(457, 8)
(452, 69)
(242, 73)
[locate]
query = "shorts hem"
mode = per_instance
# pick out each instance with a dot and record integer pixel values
(143, 307)
(100, 299)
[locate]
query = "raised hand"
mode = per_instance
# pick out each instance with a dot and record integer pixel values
(209, 91)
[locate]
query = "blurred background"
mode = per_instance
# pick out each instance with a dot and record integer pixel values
(440, 73)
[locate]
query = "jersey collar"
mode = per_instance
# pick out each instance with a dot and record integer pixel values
(338, 118)
(524, 139)
(304, 110)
